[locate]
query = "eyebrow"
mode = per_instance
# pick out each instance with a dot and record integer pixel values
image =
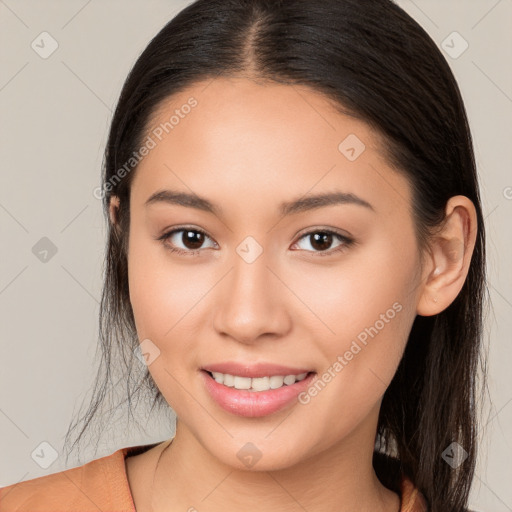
(302, 204)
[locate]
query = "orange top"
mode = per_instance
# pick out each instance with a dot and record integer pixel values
(102, 484)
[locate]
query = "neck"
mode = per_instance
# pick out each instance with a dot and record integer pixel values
(341, 478)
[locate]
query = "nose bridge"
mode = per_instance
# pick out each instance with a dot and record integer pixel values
(250, 304)
(250, 273)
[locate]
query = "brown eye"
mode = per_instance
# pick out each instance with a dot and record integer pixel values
(321, 241)
(192, 239)
(187, 241)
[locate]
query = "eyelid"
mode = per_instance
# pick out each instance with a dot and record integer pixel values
(323, 229)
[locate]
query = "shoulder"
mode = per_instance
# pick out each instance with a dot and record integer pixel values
(412, 500)
(91, 487)
(391, 473)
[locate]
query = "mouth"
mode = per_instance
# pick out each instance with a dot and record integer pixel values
(255, 396)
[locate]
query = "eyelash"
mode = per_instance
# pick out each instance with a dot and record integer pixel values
(347, 242)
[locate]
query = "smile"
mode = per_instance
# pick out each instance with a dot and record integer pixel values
(256, 396)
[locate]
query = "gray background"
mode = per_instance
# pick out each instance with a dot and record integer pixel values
(55, 116)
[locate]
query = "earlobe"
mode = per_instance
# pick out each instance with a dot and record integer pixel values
(113, 209)
(450, 252)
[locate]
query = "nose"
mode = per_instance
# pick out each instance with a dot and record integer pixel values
(252, 302)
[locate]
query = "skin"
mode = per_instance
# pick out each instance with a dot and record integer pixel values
(247, 147)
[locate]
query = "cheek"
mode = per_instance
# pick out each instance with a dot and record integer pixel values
(368, 306)
(165, 296)
(161, 304)
(153, 285)
(351, 294)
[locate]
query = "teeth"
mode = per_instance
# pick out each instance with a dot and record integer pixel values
(289, 379)
(229, 380)
(257, 383)
(242, 382)
(276, 381)
(261, 383)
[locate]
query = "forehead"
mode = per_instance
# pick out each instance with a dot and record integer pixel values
(226, 106)
(273, 140)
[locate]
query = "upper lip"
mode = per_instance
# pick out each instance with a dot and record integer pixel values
(254, 369)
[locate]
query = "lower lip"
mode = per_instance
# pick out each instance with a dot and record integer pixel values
(254, 404)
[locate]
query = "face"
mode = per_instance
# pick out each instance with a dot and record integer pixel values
(326, 288)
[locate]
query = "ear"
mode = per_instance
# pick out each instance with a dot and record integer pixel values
(447, 264)
(113, 210)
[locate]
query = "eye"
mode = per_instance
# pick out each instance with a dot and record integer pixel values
(191, 238)
(321, 240)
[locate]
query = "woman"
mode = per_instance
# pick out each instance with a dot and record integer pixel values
(296, 253)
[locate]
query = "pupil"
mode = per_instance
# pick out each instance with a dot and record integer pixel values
(194, 238)
(322, 241)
